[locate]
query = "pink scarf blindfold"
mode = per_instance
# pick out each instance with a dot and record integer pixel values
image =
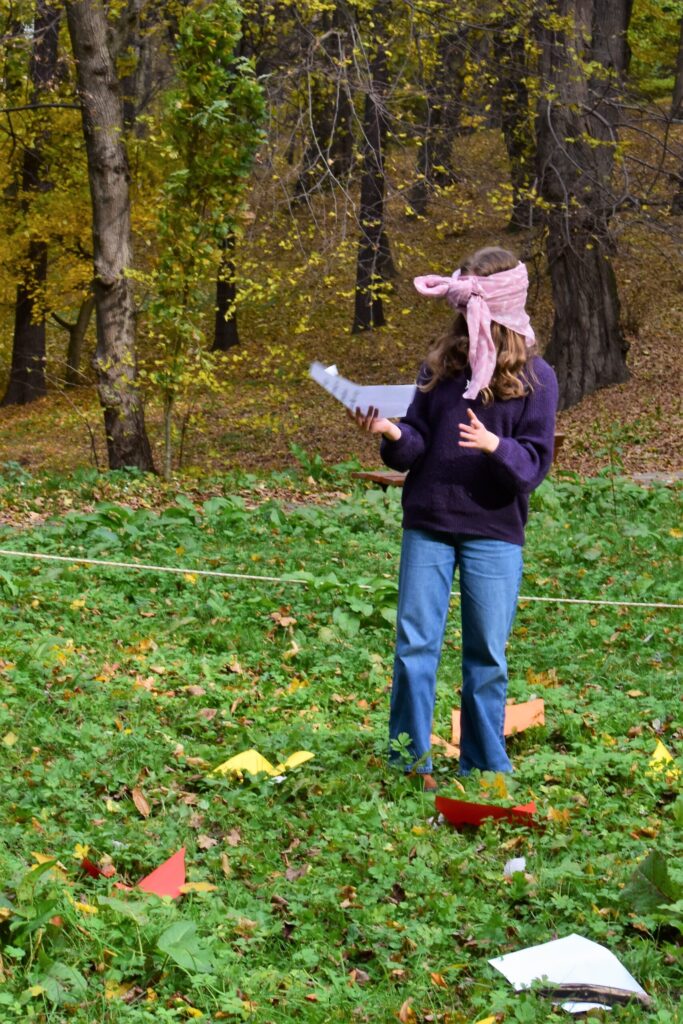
(500, 297)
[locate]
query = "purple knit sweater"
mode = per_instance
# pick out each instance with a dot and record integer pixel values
(463, 490)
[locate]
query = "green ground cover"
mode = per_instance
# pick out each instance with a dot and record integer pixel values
(338, 896)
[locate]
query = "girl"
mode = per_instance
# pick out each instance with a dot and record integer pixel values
(476, 441)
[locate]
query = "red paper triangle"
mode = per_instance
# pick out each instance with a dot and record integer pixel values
(460, 812)
(167, 879)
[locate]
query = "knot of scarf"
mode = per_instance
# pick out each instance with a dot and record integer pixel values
(497, 297)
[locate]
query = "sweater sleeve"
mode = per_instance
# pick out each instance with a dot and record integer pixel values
(402, 455)
(526, 458)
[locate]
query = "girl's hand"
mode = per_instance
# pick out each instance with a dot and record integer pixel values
(475, 435)
(372, 423)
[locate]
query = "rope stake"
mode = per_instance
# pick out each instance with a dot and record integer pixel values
(144, 567)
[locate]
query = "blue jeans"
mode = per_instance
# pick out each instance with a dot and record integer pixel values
(490, 575)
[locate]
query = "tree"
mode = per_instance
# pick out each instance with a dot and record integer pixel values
(442, 100)
(108, 174)
(373, 252)
(27, 371)
(677, 98)
(328, 113)
(212, 130)
(513, 72)
(574, 162)
(226, 334)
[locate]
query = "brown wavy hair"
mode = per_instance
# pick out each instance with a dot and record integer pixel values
(448, 355)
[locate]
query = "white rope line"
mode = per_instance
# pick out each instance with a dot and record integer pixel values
(150, 568)
(279, 579)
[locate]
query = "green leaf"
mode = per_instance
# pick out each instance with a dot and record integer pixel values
(136, 910)
(347, 623)
(181, 944)
(62, 983)
(651, 886)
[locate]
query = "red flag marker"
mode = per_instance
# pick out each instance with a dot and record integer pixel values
(460, 812)
(166, 880)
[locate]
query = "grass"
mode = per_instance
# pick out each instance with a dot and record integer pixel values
(339, 896)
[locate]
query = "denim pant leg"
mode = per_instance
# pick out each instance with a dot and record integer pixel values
(424, 590)
(490, 575)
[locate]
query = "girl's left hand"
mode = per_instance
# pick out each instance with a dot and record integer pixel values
(475, 435)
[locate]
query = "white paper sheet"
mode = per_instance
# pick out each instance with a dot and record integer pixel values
(573, 960)
(392, 400)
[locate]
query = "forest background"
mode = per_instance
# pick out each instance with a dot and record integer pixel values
(198, 200)
(265, 181)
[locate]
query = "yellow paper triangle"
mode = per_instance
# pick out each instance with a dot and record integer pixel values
(293, 761)
(662, 761)
(248, 761)
(661, 755)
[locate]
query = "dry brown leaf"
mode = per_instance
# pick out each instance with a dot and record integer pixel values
(140, 802)
(208, 713)
(195, 691)
(234, 837)
(291, 874)
(357, 976)
(562, 817)
(225, 865)
(282, 619)
(438, 979)
(407, 1015)
(206, 842)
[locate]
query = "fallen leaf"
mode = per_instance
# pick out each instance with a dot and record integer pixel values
(198, 887)
(140, 802)
(282, 619)
(234, 837)
(438, 979)
(357, 976)
(406, 1014)
(635, 693)
(9, 739)
(291, 874)
(195, 691)
(206, 842)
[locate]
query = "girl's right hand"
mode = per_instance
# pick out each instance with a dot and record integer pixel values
(372, 423)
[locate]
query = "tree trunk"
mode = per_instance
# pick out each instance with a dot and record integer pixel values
(516, 121)
(587, 345)
(141, 41)
(328, 152)
(443, 96)
(108, 175)
(374, 259)
(226, 335)
(72, 371)
(677, 115)
(27, 371)
(677, 99)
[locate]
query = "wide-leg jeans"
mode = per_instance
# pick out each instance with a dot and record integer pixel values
(490, 575)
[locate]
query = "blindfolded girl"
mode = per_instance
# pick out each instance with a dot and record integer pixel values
(477, 439)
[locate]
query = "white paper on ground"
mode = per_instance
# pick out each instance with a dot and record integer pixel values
(391, 400)
(573, 960)
(516, 864)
